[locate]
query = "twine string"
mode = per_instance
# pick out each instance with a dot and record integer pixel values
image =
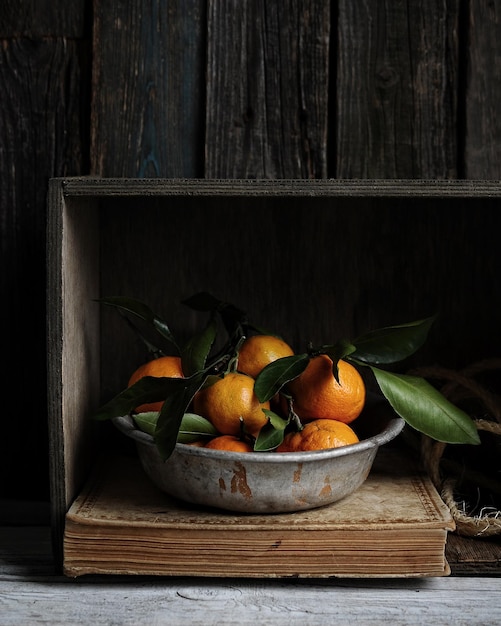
(457, 387)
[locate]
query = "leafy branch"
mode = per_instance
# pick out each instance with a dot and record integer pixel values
(415, 400)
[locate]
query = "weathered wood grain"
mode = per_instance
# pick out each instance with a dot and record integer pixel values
(458, 601)
(267, 89)
(31, 593)
(44, 18)
(482, 140)
(148, 92)
(381, 256)
(283, 188)
(396, 90)
(42, 90)
(307, 90)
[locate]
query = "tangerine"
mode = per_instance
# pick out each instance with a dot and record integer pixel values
(168, 366)
(318, 395)
(229, 442)
(258, 351)
(319, 434)
(229, 400)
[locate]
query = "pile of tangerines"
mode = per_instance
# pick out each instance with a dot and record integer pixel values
(321, 404)
(247, 390)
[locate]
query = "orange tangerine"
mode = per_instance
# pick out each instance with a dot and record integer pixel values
(229, 442)
(168, 366)
(318, 395)
(230, 400)
(258, 351)
(320, 434)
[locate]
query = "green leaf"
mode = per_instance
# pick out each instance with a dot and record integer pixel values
(272, 433)
(196, 351)
(424, 408)
(393, 343)
(276, 374)
(141, 310)
(146, 421)
(146, 389)
(202, 301)
(171, 415)
(339, 350)
(234, 319)
(194, 427)
(277, 421)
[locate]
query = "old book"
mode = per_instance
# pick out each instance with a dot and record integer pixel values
(394, 525)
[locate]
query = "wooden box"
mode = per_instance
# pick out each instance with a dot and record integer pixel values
(313, 260)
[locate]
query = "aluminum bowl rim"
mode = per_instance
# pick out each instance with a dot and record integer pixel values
(393, 428)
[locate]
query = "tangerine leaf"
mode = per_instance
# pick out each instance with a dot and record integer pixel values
(393, 343)
(277, 421)
(146, 389)
(230, 314)
(171, 415)
(425, 409)
(141, 310)
(196, 351)
(146, 421)
(338, 351)
(272, 433)
(234, 319)
(276, 374)
(194, 427)
(202, 301)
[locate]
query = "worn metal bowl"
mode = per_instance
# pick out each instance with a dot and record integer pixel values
(266, 482)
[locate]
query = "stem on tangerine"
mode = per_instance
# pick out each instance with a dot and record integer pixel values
(293, 416)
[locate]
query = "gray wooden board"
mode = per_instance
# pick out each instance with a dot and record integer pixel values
(31, 593)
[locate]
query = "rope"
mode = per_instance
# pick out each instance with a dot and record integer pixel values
(460, 386)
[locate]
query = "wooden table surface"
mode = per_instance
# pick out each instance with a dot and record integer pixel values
(31, 592)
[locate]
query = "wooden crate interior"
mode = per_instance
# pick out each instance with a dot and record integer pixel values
(312, 269)
(315, 266)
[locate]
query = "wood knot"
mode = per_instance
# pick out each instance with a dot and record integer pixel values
(387, 77)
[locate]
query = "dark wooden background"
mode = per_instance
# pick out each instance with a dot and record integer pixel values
(219, 89)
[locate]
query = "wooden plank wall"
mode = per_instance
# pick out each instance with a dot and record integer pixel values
(397, 89)
(186, 88)
(44, 127)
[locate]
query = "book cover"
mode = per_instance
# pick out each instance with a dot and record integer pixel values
(394, 525)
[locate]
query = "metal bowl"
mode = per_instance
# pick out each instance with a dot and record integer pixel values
(266, 482)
